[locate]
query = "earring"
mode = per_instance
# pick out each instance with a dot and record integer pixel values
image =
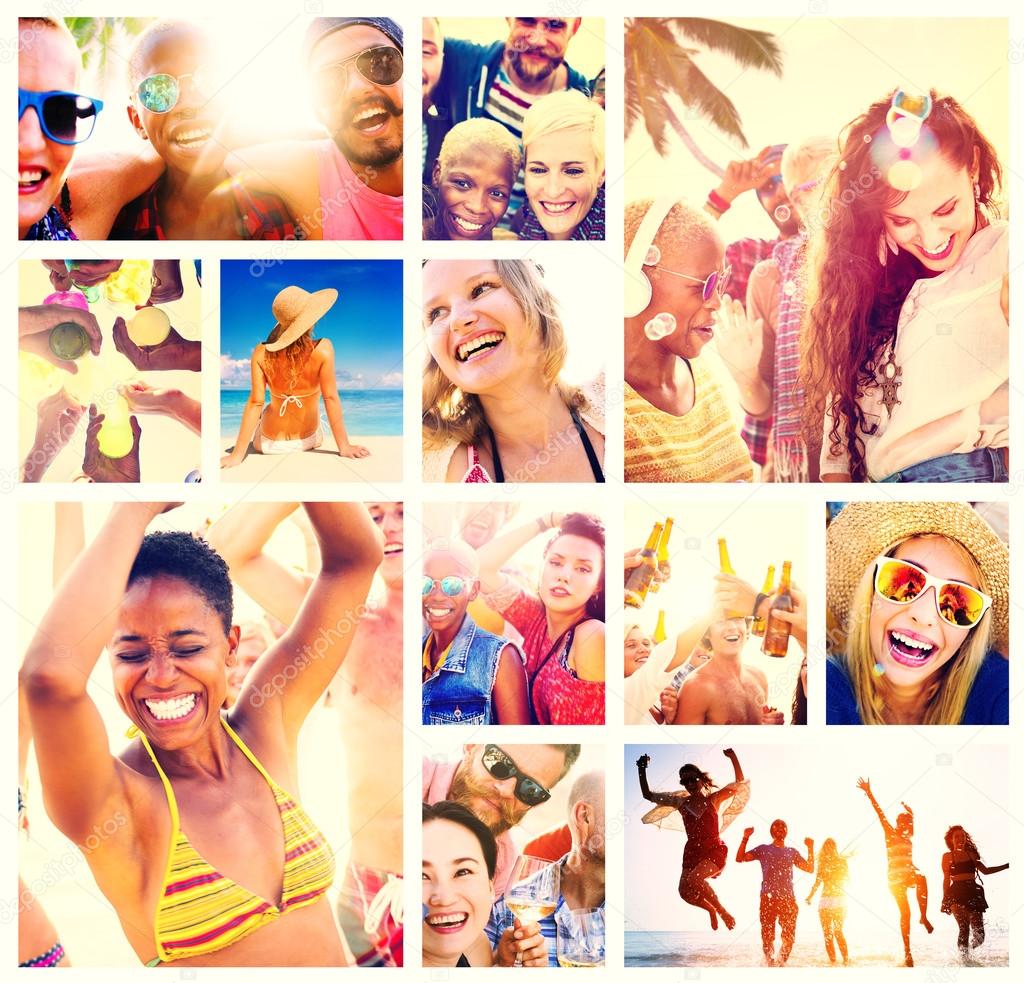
(885, 245)
(660, 326)
(977, 191)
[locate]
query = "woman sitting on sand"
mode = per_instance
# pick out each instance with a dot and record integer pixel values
(297, 369)
(212, 861)
(472, 181)
(493, 402)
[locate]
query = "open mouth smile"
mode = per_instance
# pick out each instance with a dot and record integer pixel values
(438, 613)
(371, 120)
(909, 649)
(31, 179)
(556, 208)
(479, 346)
(447, 922)
(173, 709)
(943, 251)
(392, 549)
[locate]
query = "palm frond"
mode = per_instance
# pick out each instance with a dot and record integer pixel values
(752, 49)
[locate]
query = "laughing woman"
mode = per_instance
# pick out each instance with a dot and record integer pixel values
(921, 590)
(493, 402)
(214, 863)
(907, 342)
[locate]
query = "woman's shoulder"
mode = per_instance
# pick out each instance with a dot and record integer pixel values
(593, 410)
(438, 459)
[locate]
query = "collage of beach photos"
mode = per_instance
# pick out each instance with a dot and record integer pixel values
(255, 349)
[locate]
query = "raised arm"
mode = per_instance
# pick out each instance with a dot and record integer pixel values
(495, 554)
(251, 414)
(865, 786)
(82, 782)
(729, 790)
(743, 855)
(240, 536)
(292, 675)
(662, 798)
(332, 404)
(806, 863)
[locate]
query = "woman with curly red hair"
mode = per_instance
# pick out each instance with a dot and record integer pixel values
(906, 345)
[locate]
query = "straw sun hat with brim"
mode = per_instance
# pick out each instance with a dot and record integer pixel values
(297, 310)
(866, 530)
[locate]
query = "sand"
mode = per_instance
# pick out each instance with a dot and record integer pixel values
(322, 464)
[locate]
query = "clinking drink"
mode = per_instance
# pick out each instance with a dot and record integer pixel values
(639, 579)
(725, 566)
(662, 553)
(776, 633)
(759, 625)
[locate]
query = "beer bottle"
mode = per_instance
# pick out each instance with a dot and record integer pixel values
(726, 567)
(662, 554)
(639, 579)
(757, 628)
(659, 630)
(776, 633)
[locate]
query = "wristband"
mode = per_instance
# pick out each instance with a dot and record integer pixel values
(717, 202)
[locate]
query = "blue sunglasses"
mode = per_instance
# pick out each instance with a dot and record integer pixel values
(64, 117)
(450, 586)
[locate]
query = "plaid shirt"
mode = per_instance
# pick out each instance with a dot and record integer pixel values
(259, 216)
(743, 255)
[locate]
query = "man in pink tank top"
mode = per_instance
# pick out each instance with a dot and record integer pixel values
(349, 184)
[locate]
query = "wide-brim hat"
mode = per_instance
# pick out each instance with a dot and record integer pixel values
(865, 530)
(297, 310)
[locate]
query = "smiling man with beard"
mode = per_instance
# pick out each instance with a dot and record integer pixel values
(500, 785)
(501, 81)
(348, 185)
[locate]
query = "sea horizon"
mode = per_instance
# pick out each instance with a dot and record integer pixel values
(368, 412)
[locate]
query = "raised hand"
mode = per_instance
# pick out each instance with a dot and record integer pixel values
(101, 468)
(174, 352)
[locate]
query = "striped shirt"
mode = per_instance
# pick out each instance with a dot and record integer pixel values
(702, 445)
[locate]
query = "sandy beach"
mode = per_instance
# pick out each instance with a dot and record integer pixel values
(320, 465)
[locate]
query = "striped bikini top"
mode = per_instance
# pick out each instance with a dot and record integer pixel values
(200, 910)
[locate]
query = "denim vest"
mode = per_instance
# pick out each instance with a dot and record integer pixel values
(460, 691)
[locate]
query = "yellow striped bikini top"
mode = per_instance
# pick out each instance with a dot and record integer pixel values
(200, 910)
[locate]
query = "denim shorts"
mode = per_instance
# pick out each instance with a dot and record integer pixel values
(982, 465)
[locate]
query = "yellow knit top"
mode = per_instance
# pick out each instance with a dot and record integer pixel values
(702, 445)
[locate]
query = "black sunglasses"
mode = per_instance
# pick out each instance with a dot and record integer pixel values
(528, 790)
(382, 65)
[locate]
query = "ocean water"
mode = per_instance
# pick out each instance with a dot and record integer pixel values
(696, 949)
(368, 412)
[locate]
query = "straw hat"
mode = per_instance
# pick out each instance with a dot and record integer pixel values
(865, 530)
(297, 310)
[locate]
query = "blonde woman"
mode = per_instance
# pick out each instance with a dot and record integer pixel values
(921, 592)
(298, 370)
(563, 136)
(493, 402)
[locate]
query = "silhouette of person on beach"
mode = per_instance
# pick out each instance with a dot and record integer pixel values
(705, 854)
(778, 903)
(833, 873)
(903, 875)
(963, 896)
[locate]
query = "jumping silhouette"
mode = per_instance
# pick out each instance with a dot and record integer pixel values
(963, 897)
(833, 873)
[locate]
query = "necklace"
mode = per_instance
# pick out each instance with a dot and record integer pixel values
(887, 375)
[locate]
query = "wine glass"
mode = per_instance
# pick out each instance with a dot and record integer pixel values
(533, 890)
(580, 937)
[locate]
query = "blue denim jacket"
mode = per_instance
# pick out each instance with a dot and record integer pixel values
(460, 691)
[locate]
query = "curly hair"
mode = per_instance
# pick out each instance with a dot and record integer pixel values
(185, 557)
(451, 414)
(586, 526)
(969, 846)
(854, 301)
(290, 360)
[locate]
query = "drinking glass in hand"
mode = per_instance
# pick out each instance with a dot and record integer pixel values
(533, 891)
(580, 937)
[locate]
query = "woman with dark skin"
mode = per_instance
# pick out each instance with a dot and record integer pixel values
(963, 897)
(903, 875)
(195, 783)
(705, 854)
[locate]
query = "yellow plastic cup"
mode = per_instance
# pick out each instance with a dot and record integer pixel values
(150, 326)
(115, 437)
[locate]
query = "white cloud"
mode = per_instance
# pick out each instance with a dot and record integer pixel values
(234, 372)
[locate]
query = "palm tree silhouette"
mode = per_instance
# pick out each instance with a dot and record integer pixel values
(660, 53)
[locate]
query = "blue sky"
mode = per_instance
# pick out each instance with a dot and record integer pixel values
(365, 325)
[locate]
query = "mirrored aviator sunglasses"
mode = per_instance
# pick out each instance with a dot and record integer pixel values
(160, 93)
(64, 117)
(902, 582)
(500, 766)
(382, 65)
(450, 586)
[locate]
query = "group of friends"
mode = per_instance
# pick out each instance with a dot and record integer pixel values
(513, 136)
(216, 861)
(706, 811)
(470, 859)
(499, 649)
(837, 333)
(195, 178)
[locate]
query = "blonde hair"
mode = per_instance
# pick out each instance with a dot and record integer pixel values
(627, 628)
(682, 228)
(290, 359)
(478, 132)
(568, 110)
(451, 414)
(947, 696)
(806, 161)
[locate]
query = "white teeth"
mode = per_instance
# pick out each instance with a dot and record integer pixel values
(557, 206)
(369, 113)
(939, 249)
(392, 548)
(439, 612)
(29, 177)
(470, 348)
(911, 642)
(192, 136)
(467, 226)
(453, 919)
(181, 706)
